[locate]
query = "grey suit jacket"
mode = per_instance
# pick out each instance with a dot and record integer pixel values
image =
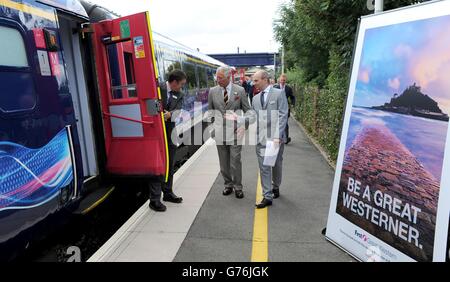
(271, 117)
(237, 102)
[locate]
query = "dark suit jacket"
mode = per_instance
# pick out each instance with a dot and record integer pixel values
(289, 93)
(174, 107)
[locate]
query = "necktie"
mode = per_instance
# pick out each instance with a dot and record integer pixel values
(262, 99)
(225, 96)
(170, 97)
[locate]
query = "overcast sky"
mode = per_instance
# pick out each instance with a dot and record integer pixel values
(212, 26)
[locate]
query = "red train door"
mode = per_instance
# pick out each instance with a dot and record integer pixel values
(136, 141)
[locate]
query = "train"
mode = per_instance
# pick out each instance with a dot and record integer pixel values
(80, 106)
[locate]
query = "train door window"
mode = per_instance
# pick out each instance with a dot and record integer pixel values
(202, 77)
(13, 48)
(129, 68)
(17, 92)
(121, 70)
(211, 81)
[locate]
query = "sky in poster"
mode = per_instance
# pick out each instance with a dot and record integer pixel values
(394, 57)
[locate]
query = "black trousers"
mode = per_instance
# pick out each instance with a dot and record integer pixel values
(158, 186)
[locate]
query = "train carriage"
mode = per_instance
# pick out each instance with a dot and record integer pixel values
(79, 104)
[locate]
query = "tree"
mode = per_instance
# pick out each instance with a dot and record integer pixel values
(318, 38)
(311, 30)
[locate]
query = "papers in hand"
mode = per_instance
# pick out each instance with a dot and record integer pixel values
(271, 153)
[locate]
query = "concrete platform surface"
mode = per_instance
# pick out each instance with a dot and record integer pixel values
(208, 226)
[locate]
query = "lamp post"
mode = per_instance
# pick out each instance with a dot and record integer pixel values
(275, 63)
(379, 6)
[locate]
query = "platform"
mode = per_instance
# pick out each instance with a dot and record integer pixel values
(208, 226)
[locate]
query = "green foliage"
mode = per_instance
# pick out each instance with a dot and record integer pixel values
(318, 39)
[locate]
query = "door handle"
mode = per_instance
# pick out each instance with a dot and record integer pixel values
(128, 119)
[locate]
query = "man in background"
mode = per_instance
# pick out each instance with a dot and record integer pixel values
(290, 96)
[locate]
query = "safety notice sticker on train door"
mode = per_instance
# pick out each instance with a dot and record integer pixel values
(54, 63)
(44, 64)
(139, 50)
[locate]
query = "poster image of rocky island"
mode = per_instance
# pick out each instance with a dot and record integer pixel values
(391, 173)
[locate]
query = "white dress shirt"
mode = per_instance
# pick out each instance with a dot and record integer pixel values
(168, 91)
(228, 89)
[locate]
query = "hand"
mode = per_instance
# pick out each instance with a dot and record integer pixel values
(277, 141)
(231, 116)
(240, 132)
(167, 115)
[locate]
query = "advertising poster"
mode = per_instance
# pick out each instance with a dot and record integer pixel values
(447, 258)
(390, 199)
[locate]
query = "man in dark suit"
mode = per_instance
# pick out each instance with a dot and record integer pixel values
(172, 101)
(289, 95)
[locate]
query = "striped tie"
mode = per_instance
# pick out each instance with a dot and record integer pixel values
(225, 95)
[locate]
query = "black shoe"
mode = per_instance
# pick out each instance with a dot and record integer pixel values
(227, 191)
(288, 140)
(172, 198)
(276, 193)
(157, 206)
(264, 203)
(239, 194)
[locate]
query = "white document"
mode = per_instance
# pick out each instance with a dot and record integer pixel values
(271, 153)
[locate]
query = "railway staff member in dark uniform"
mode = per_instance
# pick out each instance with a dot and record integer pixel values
(290, 96)
(172, 100)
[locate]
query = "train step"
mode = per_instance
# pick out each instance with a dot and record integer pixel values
(94, 199)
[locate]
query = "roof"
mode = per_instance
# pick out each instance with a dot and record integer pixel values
(73, 7)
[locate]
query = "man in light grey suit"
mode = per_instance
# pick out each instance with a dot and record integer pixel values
(228, 98)
(271, 108)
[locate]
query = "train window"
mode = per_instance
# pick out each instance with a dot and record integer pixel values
(211, 81)
(114, 71)
(121, 70)
(129, 68)
(170, 66)
(13, 52)
(202, 77)
(191, 82)
(17, 90)
(160, 63)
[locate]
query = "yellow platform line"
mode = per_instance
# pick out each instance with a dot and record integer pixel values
(260, 245)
